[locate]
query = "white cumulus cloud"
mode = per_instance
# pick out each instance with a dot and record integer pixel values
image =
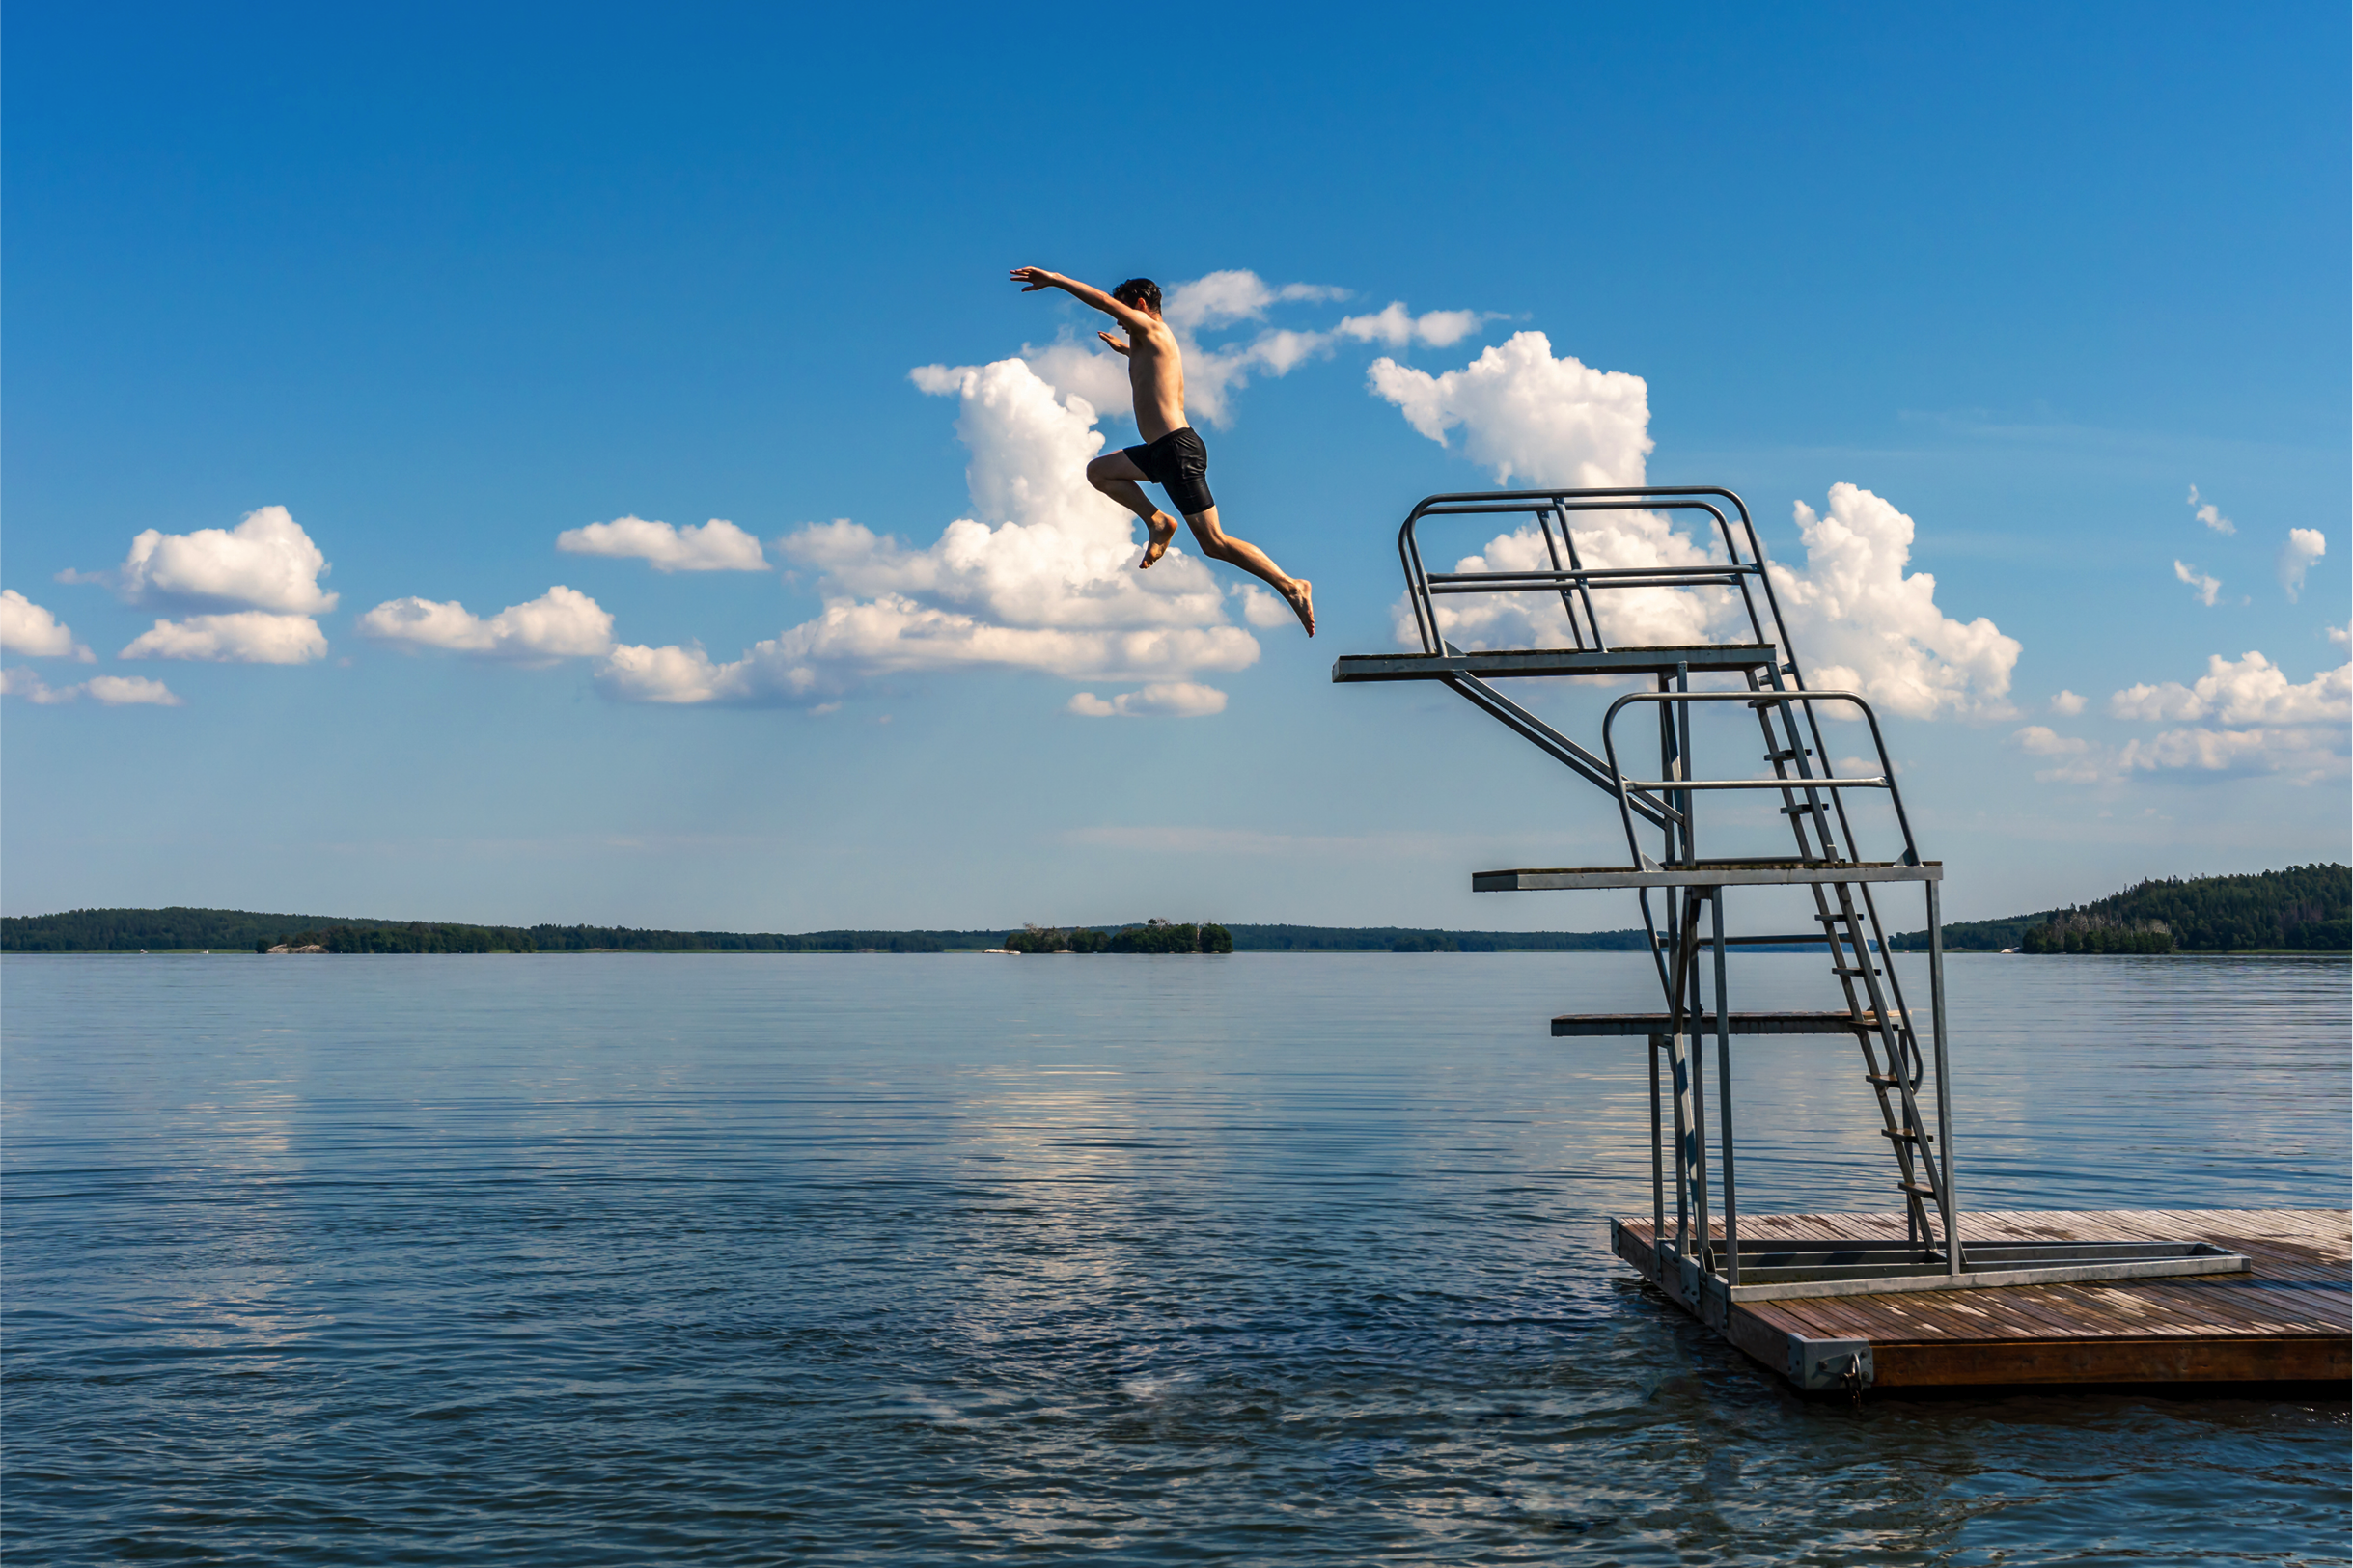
(1528, 416)
(2210, 515)
(717, 545)
(2066, 704)
(113, 691)
(1042, 577)
(1864, 624)
(2243, 716)
(121, 691)
(1857, 616)
(2304, 753)
(242, 637)
(2206, 587)
(2303, 546)
(265, 562)
(2039, 740)
(562, 622)
(25, 627)
(1175, 700)
(2247, 691)
(1397, 326)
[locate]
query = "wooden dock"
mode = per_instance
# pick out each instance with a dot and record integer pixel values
(2291, 1320)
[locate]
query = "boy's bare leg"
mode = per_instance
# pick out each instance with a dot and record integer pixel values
(1117, 476)
(1220, 545)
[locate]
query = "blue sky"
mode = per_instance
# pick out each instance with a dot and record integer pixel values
(445, 287)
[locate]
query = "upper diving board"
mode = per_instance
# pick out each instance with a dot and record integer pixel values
(1701, 658)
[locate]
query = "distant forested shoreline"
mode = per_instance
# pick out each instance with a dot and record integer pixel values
(2302, 909)
(236, 930)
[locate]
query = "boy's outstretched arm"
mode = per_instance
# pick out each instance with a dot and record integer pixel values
(1034, 278)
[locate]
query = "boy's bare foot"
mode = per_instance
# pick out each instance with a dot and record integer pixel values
(1302, 596)
(1162, 529)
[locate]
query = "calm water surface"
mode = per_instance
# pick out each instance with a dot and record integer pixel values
(1270, 1260)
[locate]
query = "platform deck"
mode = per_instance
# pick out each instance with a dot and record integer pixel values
(2289, 1320)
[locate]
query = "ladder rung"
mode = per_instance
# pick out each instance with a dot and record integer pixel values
(1883, 1081)
(1852, 973)
(1916, 1190)
(1790, 757)
(1905, 1134)
(1793, 811)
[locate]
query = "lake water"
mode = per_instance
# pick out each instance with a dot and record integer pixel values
(1267, 1259)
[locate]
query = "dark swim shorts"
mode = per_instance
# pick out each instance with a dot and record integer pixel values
(1180, 464)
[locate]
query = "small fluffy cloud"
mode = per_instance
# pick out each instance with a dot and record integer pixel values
(718, 546)
(2341, 636)
(562, 622)
(1397, 327)
(1175, 700)
(2206, 587)
(2304, 754)
(2038, 740)
(25, 627)
(2247, 691)
(1528, 416)
(2074, 760)
(2066, 705)
(265, 562)
(1237, 295)
(123, 691)
(1042, 577)
(1262, 609)
(2303, 546)
(24, 683)
(244, 637)
(113, 691)
(2210, 515)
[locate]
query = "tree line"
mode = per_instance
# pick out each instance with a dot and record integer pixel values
(2301, 909)
(181, 929)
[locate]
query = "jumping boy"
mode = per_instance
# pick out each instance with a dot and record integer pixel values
(1172, 456)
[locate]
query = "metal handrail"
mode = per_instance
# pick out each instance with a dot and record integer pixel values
(1421, 584)
(1884, 780)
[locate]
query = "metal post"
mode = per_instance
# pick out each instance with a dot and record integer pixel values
(1944, 1079)
(1724, 1113)
(1689, 1004)
(1658, 1161)
(1683, 739)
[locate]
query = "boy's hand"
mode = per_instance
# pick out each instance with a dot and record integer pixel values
(1117, 347)
(1034, 278)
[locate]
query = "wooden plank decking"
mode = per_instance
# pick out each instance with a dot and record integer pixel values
(2289, 1320)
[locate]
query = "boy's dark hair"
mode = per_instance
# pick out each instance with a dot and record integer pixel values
(1139, 292)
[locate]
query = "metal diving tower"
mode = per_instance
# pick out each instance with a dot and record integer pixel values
(1827, 829)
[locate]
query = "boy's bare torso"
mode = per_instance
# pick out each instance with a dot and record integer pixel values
(1155, 377)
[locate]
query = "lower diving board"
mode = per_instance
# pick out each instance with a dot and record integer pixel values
(2286, 1318)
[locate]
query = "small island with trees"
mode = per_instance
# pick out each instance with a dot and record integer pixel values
(1153, 936)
